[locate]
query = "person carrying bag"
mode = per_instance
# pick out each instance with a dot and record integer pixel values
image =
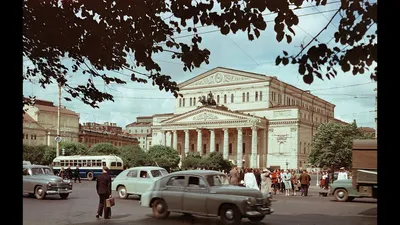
(103, 187)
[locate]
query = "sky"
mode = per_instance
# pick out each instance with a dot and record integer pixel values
(354, 96)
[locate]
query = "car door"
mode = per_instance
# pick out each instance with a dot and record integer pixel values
(130, 182)
(144, 181)
(195, 195)
(173, 192)
(25, 180)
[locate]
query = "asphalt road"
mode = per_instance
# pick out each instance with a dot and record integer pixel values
(80, 209)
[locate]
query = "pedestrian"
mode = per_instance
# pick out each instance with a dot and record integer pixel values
(305, 180)
(77, 175)
(68, 173)
(62, 173)
(342, 175)
(294, 182)
(257, 174)
(234, 176)
(286, 178)
(266, 181)
(250, 180)
(103, 188)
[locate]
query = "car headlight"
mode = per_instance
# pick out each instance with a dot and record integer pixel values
(49, 184)
(248, 201)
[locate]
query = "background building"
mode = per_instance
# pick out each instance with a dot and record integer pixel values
(46, 115)
(259, 121)
(93, 133)
(141, 129)
(33, 133)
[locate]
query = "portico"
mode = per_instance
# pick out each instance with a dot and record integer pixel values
(213, 128)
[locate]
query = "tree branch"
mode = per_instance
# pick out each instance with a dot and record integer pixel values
(329, 22)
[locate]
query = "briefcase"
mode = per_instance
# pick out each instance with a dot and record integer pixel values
(110, 202)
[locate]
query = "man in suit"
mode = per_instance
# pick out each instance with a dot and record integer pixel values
(103, 187)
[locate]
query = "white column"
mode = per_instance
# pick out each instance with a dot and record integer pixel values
(254, 139)
(175, 140)
(168, 137)
(239, 153)
(162, 141)
(212, 140)
(186, 142)
(265, 147)
(199, 141)
(226, 140)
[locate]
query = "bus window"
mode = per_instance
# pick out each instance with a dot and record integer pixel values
(62, 163)
(119, 164)
(75, 162)
(104, 163)
(98, 162)
(113, 163)
(84, 162)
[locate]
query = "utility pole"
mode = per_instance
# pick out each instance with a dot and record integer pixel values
(58, 139)
(376, 113)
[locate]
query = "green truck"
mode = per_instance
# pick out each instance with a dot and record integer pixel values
(364, 181)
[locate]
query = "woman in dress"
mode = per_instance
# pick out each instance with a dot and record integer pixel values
(250, 180)
(294, 182)
(287, 181)
(266, 181)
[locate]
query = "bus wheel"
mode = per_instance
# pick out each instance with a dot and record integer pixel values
(89, 175)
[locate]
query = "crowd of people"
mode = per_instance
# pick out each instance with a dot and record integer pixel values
(277, 181)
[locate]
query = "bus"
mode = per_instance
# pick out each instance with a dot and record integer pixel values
(90, 166)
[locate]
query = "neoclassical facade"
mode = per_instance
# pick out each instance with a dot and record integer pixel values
(258, 121)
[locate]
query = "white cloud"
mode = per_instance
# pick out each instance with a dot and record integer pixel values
(133, 99)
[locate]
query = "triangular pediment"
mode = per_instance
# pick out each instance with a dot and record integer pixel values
(222, 77)
(208, 114)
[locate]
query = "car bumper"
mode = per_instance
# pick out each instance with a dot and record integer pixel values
(59, 191)
(261, 211)
(145, 200)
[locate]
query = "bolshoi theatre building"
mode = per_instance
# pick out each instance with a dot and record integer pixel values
(254, 120)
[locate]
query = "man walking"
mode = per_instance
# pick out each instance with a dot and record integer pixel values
(103, 187)
(77, 174)
(234, 176)
(305, 180)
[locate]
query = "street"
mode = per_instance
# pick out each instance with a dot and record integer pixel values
(80, 209)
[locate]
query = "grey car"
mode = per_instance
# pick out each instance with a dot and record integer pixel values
(206, 193)
(39, 181)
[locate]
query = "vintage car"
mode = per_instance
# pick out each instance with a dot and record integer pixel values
(136, 180)
(205, 193)
(39, 181)
(343, 191)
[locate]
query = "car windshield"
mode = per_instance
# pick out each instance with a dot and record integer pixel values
(158, 173)
(217, 180)
(43, 170)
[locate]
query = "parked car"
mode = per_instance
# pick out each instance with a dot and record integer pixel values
(136, 180)
(39, 181)
(343, 191)
(206, 193)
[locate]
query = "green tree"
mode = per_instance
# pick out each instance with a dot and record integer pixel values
(216, 161)
(34, 154)
(103, 148)
(193, 160)
(163, 156)
(73, 148)
(133, 156)
(49, 154)
(96, 39)
(332, 145)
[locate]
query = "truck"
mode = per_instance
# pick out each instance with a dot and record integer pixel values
(364, 180)
(365, 167)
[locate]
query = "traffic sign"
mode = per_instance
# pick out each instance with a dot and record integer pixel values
(58, 139)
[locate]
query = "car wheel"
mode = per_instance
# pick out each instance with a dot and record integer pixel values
(341, 195)
(256, 219)
(39, 193)
(230, 215)
(122, 193)
(160, 209)
(89, 175)
(64, 195)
